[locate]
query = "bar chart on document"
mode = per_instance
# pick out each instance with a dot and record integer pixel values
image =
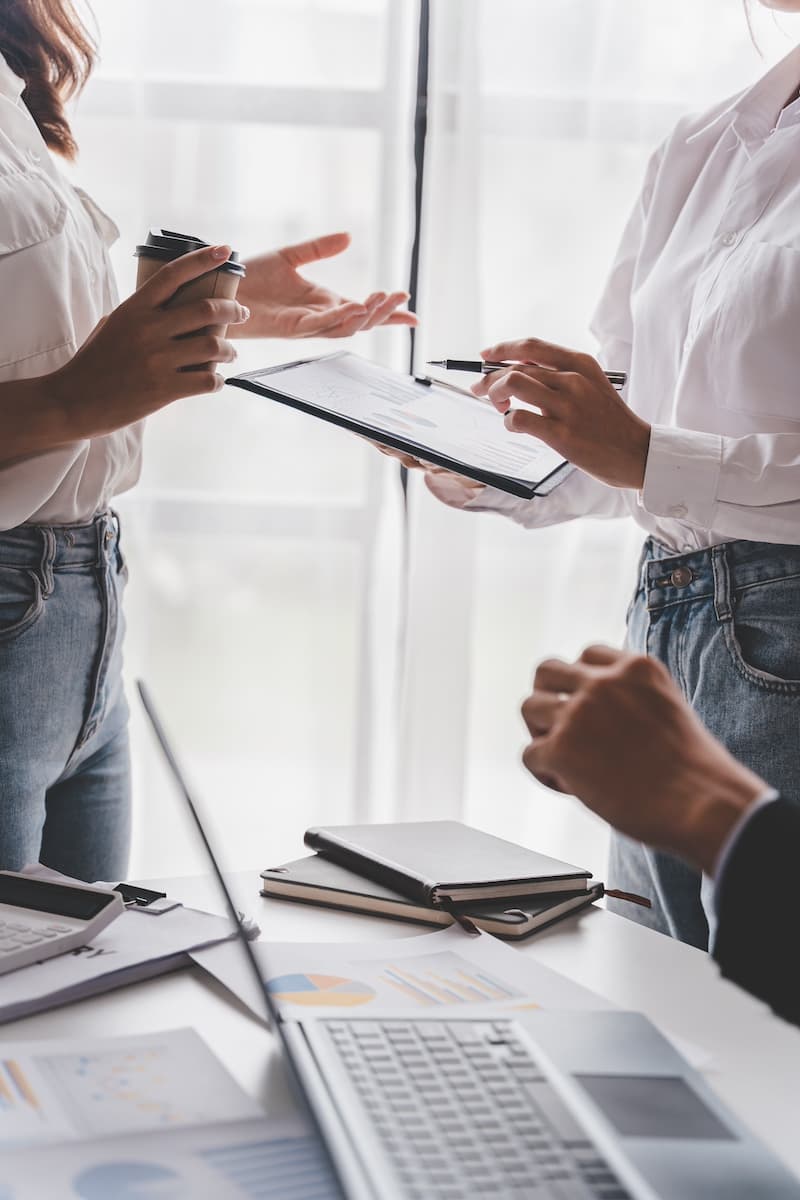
(430, 972)
(445, 978)
(97, 1093)
(138, 1117)
(427, 981)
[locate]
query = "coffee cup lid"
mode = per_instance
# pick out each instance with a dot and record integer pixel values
(167, 245)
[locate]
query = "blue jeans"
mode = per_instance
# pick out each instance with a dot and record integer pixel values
(726, 623)
(64, 763)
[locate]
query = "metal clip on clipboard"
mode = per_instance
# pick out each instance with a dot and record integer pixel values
(134, 896)
(152, 904)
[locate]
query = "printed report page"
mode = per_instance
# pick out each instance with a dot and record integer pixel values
(462, 427)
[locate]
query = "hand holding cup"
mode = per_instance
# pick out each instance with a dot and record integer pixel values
(150, 350)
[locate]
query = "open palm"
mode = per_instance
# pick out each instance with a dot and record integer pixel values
(284, 304)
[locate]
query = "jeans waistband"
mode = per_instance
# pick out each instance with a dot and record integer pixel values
(61, 547)
(719, 571)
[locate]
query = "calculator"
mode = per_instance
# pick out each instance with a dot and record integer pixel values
(40, 919)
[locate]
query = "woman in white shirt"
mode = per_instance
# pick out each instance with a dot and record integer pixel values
(702, 309)
(78, 373)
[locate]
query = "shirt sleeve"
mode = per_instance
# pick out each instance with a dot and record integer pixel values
(747, 487)
(578, 496)
(756, 901)
(612, 327)
(731, 842)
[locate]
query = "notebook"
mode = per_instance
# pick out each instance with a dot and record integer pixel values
(317, 880)
(439, 863)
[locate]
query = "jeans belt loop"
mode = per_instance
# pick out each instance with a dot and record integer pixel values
(48, 558)
(105, 535)
(723, 591)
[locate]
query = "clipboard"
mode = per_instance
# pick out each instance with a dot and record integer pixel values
(465, 435)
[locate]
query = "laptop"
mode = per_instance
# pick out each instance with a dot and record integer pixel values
(548, 1106)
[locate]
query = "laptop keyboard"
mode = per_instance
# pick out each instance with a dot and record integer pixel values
(462, 1111)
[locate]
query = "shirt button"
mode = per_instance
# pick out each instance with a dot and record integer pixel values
(729, 238)
(678, 510)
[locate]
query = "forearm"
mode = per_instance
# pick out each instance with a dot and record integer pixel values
(33, 418)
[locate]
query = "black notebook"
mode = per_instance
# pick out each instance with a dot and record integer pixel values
(438, 863)
(317, 880)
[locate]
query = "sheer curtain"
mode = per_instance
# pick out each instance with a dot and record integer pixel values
(267, 550)
(263, 590)
(543, 115)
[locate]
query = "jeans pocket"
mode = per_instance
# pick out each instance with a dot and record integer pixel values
(122, 565)
(764, 635)
(21, 601)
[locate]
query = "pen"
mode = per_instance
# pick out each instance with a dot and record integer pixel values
(616, 378)
(427, 381)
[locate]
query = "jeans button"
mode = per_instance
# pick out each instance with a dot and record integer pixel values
(681, 576)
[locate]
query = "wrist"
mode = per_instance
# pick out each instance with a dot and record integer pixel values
(46, 414)
(639, 453)
(713, 816)
(58, 417)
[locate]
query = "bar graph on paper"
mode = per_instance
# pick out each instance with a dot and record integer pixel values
(17, 1093)
(443, 978)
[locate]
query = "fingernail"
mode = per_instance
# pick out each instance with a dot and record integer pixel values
(221, 252)
(245, 312)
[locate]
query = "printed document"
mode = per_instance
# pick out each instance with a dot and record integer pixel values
(146, 1116)
(428, 418)
(429, 973)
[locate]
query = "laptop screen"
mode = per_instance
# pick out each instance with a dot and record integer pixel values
(270, 1007)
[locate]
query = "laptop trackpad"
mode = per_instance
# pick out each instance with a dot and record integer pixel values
(653, 1106)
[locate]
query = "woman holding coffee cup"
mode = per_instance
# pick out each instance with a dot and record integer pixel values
(78, 374)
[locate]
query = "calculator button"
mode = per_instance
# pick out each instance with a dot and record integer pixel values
(59, 928)
(7, 944)
(47, 933)
(28, 939)
(16, 925)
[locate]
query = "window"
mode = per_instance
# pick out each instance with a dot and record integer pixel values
(267, 575)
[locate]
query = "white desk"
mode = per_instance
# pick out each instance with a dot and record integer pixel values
(755, 1064)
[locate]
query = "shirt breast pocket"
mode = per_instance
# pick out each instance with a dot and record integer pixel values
(755, 343)
(32, 215)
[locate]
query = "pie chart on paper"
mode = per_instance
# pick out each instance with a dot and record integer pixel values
(128, 1181)
(318, 990)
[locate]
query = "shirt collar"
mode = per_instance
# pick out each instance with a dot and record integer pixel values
(753, 113)
(11, 86)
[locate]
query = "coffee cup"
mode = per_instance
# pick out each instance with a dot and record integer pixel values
(163, 246)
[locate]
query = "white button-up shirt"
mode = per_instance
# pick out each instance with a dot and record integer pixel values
(56, 282)
(702, 309)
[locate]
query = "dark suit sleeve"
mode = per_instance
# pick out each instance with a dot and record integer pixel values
(758, 904)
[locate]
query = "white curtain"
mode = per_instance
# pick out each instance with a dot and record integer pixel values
(266, 550)
(544, 113)
(264, 582)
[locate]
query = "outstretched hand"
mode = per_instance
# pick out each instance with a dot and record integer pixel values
(284, 304)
